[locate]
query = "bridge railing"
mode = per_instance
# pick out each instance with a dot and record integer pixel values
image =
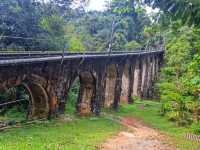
(11, 58)
(32, 54)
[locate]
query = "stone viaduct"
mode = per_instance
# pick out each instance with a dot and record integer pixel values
(105, 79)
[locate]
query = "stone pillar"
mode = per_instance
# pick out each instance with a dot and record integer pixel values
(61, 93)
(153, 67)
(144, 77)
(53, 100)
(156, 67)
(118, 84)
(149, 78)
(124, 98)
(136, 79)
(100, 91)
(86, 93)
(53, 105)
(64, 84)
(131, 82)
(111, 77)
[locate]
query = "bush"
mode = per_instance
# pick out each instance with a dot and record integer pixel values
(195, 127)
(132, 45)
(72, 98)
(179, 83)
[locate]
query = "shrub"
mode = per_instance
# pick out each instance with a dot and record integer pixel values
(179, 82)
(195, 127)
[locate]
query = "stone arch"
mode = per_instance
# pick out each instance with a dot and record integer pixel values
(39, 101)
(34, 85)
(111, 77)
(39, 98)
(125, 85)
(86, 92)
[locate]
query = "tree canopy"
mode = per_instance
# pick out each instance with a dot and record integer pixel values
(56, 25)
(186, 10)
(33, 24)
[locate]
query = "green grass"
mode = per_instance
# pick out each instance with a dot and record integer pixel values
(79, 134)
(150, 114)
(87, 133)
(14, 114)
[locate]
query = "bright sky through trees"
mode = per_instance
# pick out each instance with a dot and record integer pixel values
(98, 5)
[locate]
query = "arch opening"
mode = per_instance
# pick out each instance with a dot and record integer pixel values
(39, 101)
(14, 104)
(81, 94)
(72, 97)
(26, 101)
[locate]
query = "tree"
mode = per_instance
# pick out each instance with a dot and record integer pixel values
(113, 28)
(179, 84)
(186, 10)
(33, 24)
(53, 27)
(19, 22)
(131, 12)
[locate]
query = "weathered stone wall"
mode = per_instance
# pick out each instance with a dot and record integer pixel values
(104, 82)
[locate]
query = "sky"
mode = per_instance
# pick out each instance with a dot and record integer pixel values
(99, 5)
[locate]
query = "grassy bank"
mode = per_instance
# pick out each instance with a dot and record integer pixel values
(149, 112)
(79, 134)
(87, 133)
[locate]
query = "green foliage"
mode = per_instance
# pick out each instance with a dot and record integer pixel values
(132, 45)
(75, 44)
(71, 101)
(131, 12)
(195, 128)
(16, 111)
(186, 10)
(179, 83)
(179, 49)
(179, 80)
(98, 30)
(74, 38)
(33, 25)
(19, 18)
(123, 7)
(192, 82)
(54, 26)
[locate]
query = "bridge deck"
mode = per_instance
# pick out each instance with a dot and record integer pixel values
(9, 58)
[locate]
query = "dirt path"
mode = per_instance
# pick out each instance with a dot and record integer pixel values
(138, 137)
